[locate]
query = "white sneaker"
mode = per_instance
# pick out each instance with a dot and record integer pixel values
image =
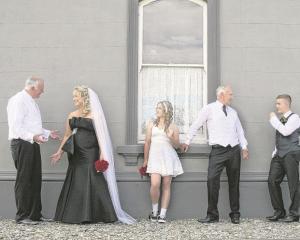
(152, 217)
(162, 219)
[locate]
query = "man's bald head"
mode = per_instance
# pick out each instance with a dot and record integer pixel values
(224, 94)
(34, 86)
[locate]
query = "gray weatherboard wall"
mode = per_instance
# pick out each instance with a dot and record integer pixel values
(85, 42)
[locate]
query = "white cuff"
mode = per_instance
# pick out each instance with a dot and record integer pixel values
(30, 138)
(46, 134)
(244, 147)
(275, 122)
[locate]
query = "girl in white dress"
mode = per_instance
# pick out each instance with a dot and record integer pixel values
(160, 157)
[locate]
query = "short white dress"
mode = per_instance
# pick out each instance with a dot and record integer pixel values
(163, 158)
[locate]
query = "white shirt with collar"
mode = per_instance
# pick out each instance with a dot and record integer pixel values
(24, 118)
(223, 130)
(287, 129)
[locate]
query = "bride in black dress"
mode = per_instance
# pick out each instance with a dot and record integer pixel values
(88, 196)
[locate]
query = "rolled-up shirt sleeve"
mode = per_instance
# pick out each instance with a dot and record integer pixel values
(241, 135)
(292, 124)
(201, 119)
(16, 112)
(274, 152)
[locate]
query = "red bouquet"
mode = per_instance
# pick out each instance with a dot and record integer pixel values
(143, 171)
(101, 165)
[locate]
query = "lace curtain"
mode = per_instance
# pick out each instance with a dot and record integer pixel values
(182, 86)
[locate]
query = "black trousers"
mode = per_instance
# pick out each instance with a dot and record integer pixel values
(27, 160)
(219, 158)
(288, 165)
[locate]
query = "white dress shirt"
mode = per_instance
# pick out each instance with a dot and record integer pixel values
(24, 118)
(287, 129)
(223, 130)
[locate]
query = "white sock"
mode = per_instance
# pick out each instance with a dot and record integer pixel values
(155, 209)
(163, 212)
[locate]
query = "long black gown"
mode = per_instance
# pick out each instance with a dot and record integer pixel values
(84, 197)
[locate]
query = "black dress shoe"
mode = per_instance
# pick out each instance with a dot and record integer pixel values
(290, 218)
(43, 219)
(27, 221)
(275, 217)
(235, 220)
(209, 219)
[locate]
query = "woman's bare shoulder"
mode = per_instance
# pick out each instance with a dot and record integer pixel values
(73, 114)
(149, 123)
(174, 127)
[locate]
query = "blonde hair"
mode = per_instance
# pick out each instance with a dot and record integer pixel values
(84, 93)
(168, 110)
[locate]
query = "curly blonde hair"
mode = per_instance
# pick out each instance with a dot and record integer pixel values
(168, 111)
(84, 93)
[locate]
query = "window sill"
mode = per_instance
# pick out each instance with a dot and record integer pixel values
(132, 153)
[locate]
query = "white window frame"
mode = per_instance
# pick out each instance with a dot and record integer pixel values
(142, 4)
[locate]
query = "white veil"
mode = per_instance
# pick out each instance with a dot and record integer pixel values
(107, 151)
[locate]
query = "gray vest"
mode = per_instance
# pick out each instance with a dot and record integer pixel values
(286, 144)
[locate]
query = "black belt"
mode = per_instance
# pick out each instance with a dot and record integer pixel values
(14, 140)
(217, 146)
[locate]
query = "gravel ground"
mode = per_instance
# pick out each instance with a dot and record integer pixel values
(176, 229)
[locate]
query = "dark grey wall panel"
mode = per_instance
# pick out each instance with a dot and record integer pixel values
(189, 199)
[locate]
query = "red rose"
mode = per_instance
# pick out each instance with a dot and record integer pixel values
(143, 171)
(101, 165)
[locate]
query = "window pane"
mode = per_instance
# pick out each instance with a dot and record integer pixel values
(182, 86)
(173, 32)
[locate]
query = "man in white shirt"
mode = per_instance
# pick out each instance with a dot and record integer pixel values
(26, 134)
(226, 136)
(285, 160)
